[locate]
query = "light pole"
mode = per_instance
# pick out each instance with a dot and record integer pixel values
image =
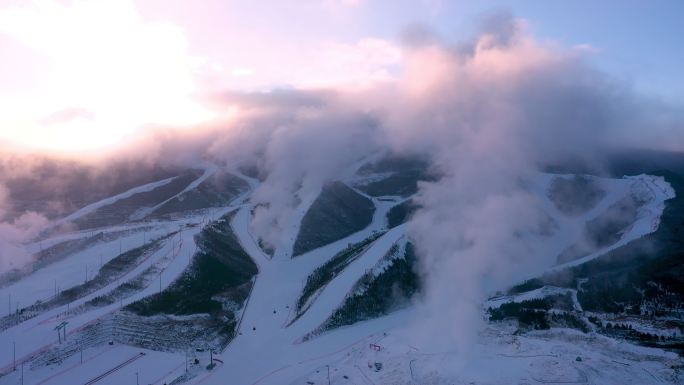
(411, 368)
(136, 379)
(14, 355)
(59, 328)
(328, 366)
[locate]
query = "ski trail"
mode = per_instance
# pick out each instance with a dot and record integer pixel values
(113, 199)
(209, 170)
(335, 292)
(648, 219)
(31, 335)
(240, 227)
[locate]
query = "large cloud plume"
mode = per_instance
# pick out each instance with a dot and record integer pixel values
(299, 159)
(491, 113)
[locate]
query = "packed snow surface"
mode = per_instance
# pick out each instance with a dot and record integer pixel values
(269, 347)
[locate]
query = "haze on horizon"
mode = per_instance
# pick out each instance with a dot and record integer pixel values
(83, 76)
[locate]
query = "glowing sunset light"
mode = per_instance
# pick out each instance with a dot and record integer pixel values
(109, 74)
(87, 74)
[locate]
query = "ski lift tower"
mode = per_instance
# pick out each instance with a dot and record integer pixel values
(61, 328)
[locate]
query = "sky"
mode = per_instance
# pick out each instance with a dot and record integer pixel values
(85, 75)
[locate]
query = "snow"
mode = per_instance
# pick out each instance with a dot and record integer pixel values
(286, 357)
(113, 199)
(655, 190)
(389, 258)
(72, 271)
(335, 292)
(268, 351)
(542, 292)
(498, 358)
(37, 334)
(152, 367)
(209, 170)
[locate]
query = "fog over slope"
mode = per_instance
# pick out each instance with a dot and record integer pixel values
(489, 114)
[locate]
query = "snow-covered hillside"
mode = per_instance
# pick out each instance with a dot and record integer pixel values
(271, 342)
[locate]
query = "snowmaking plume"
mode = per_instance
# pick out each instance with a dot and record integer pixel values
(492, 114)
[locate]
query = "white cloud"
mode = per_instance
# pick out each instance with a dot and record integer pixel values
(363, 62)
(242, 71)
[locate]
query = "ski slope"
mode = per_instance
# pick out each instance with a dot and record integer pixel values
(269, 346)
(209, 170)
(113, 199)
(36, 335)
(655, 191)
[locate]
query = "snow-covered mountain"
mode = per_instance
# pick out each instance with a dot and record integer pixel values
(164, 280)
